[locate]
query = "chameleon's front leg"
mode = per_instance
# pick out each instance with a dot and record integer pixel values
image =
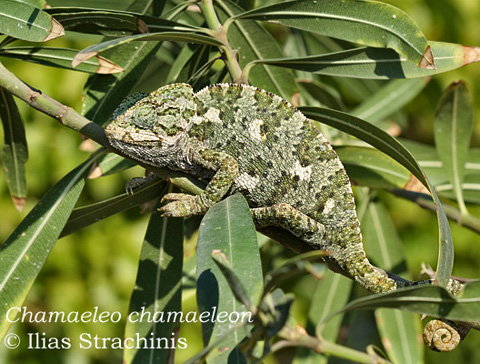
(184, 205)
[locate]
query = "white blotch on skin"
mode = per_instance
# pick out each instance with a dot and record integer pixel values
(254, 130)
(329, 205)
(213, 115)
(303, 172)
(247, 182)
(196, 119)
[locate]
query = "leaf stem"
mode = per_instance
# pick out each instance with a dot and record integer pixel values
(220, 33)
(44, 103)
(297, 338)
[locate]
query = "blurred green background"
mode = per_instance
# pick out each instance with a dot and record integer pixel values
(97, 266)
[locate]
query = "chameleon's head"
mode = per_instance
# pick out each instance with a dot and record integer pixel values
(149, 127)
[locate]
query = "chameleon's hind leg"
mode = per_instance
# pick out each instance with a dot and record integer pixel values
(288, 218)
(348, 255)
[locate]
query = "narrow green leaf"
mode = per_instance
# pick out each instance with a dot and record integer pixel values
(92, 21)
(61, 58)
(431, 300)
(227, 227)
(256, 43)
(368, 133)
(91, 214)
(24, 21)
(379, 63)
(190, 59)
(111, 163)
(14, 150)
(171, 36)
(298, 265)
(113, 23)
(194, 66)
(25, 251)
(428, 159)
(324, 94)
(389, 145)
(453, 131)
(369, 167)
(470, 189)
(149, 7)
(158, 291)
(233, 280)
(390, 98)
(366, 22)
(381, 241)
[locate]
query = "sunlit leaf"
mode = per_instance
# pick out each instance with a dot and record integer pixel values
(61, 58)
(171, 36)
(228, 228)
(24, 21)
(379, 63)
(365, 22)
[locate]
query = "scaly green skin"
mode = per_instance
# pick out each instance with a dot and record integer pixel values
(250, 141)
(247, 140)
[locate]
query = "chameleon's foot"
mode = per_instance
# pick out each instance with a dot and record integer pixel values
(443, 335)
(134, 183)
(182, 205)
(137, 182)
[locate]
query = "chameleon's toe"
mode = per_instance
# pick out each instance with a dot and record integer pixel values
(169, 197)
(186, 206)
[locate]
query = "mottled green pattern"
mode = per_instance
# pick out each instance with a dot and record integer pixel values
(247, 140)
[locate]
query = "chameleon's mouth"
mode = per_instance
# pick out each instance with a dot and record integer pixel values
(137, 136)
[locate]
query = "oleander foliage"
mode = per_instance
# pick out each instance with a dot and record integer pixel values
(353, 67)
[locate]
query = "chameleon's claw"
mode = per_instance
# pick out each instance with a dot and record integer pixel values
(134, 183)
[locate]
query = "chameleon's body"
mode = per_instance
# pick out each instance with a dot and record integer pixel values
(250, 141)
(243, 139)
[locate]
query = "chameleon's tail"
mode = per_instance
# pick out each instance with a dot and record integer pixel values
(439, 334)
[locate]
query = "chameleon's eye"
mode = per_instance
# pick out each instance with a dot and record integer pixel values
(142, 116)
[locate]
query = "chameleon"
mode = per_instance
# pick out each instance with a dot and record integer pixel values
(246, 140)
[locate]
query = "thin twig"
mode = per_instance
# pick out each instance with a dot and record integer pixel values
(469, 221)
